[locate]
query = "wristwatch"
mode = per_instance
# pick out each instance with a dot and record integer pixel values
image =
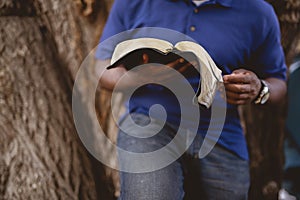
(264, 93)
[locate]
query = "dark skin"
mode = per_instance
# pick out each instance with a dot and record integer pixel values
(132, 78)
(242, 86)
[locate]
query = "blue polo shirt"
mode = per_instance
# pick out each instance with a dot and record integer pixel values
(236, 34)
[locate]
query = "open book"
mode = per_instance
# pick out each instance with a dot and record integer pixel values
(163, 52)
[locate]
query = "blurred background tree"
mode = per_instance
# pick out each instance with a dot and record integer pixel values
(42, 44)
(264, 125)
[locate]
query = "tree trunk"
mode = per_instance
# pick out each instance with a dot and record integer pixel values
(42, 43)
(36, 162)
(264, 125)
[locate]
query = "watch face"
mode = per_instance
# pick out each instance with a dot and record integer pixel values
(264, 94)
(265, 98)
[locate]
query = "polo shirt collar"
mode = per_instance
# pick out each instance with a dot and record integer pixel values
(225, 3)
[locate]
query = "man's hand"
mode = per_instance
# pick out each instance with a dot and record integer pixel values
(242, 86)
(163, 74)
(133, 78)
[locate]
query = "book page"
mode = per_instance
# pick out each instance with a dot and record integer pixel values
(127, 46)
(211, 75)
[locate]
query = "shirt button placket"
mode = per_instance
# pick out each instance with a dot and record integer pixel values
(192, 28)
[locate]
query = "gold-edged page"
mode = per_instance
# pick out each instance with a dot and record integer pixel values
(127, 46)
(209, 72)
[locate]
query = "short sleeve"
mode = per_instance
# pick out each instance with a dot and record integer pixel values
(268, 59)
(115, 24)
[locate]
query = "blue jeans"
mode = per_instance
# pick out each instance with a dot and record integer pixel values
(220, 175)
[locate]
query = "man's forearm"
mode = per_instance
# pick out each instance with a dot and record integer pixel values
(110, 78)
(277, 89)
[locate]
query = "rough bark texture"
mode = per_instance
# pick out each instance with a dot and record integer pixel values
(288, 13)
(264, 125)
(42, 43)
(35, 161)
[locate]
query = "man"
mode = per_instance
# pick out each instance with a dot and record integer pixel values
(243, 39)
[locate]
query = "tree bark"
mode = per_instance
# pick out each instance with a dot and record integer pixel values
(264, 125)
(42, 43)
(41, 155)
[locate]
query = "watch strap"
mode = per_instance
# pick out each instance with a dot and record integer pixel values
(262, 93)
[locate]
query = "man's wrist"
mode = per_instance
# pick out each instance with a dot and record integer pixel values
(263, 94)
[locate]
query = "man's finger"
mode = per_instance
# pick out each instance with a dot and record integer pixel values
(238, 102)
(237, 96)
(237, 78)
(145, 58)
(240, 71)
(238, 88)
(175, 63)
(184, 67)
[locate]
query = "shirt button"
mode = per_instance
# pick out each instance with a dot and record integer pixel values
(196, 10)
(192, 28)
